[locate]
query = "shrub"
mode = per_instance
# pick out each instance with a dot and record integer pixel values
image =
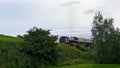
(106, 39)
(81, 47)
(41, 46)
(11, 57)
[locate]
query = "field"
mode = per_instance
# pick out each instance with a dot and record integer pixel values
(93, 66)
(70, 56)
(5, 38)
(10, 56)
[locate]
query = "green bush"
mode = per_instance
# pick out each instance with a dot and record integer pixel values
(81, 47)
(69, 55)
(87, 53)
(106, 39)
(67, 52)
(11, 57)
(41, 46)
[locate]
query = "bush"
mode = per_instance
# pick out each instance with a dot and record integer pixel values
(69, 55)
(81, 47)
(67, 52)
(87, 53)
(106, 39)
(41, 46)
(11, 57)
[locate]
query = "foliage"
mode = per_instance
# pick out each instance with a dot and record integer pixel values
(86, 52)
(11, 57)
(89, 55)
(81, 47)
(67, 52)
(106, 39)
(93, 66)
(69, 55)
(10, 38)
(37, 49)
(40, 45)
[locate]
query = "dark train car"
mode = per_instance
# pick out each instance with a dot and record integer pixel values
(75, 40)
(64, 39)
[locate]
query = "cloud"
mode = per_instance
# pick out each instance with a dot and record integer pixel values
(90, 11)
(70, 3)
(17, 16)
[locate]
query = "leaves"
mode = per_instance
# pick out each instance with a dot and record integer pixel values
(106, 39)
(40, 44)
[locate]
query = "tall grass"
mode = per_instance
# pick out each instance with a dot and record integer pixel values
(5, 38)
(69, 55)
(93, 66)
(10, 56)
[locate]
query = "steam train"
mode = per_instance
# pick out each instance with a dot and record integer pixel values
(75, 40)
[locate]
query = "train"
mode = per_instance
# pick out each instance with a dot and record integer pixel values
(75, 40)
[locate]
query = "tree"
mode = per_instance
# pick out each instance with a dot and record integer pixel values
(106, 39)
(19, 36)
(40, 45)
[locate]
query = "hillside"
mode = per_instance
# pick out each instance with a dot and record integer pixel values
(6, 38)
(93, 66)
(71, 55)
(10, 56)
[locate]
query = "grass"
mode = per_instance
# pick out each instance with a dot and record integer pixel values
(68, 51)
(10, 56)
(69, 55)
(93, 66)
(6, 38)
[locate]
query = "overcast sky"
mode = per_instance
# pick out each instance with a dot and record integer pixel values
(64, 17)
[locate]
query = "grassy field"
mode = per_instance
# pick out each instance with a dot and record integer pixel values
(93, 66)
(10, 56)
(5, 38)
(70, 55)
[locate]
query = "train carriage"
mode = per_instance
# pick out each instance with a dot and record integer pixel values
(75, 40)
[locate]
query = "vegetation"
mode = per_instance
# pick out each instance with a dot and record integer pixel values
(71, 55)
(93, 66)
(10, 56)
(40, 45)
(6, 38)
(106, 39)
(39, 49)
(35, 49)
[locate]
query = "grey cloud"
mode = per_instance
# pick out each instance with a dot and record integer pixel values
(89, 11)
(72, 2)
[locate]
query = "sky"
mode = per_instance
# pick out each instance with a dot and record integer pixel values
(63, 17)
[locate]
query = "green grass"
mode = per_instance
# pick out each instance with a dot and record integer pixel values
(10, 56)
(69, 55)
(93, 66)
(68, 51)
(6, 38)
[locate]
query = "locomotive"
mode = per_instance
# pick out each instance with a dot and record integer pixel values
(75, 40)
